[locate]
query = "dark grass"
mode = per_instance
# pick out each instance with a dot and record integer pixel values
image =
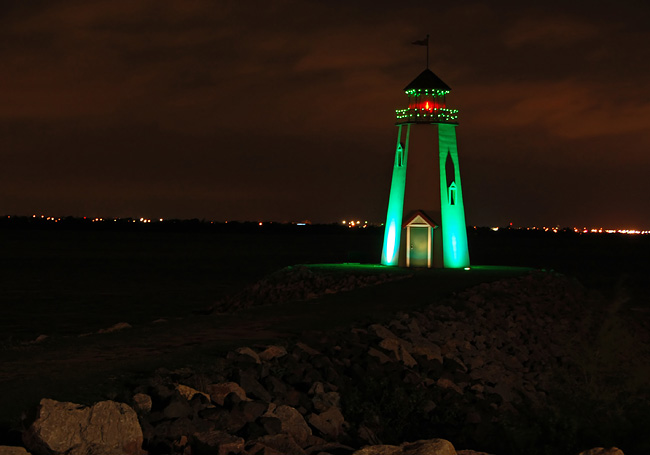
(66, 282)
(80, 281)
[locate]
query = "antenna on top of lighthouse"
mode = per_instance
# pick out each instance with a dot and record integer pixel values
(423, 42)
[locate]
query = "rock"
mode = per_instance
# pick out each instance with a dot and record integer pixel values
(429, 447)
(316, 388)
(475, 361)
(216, 443)
(142, 403)
(427, 349)
(115, 327)
(39, 339)
(72, 429)
(236, 420)
(279, 444)
(275, 386)
(329, 422)
(253, 387)
(252, 409)
(400, 349)
(383, 358)
(329, 448)
(217, 416)
(177, 428)
(231, 400)
(188, 392)
(423, 447)
(448, 384)
(602, 451)
(219, 392)
(368, 435)
(324, 401)
(272, 352)
(381, 331)
(11, 450)
(293, 423)
(307, 349)
(180, 444)
(177, 407)
(272, 425)
(379, 450)
(248, 352)
(505, 390)
(414, 327)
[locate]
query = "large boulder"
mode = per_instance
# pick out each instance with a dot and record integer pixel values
(107, 427)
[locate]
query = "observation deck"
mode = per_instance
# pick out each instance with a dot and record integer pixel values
(427, 96)
(422, 115)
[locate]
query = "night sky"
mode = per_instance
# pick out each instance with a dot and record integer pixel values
(285, 110)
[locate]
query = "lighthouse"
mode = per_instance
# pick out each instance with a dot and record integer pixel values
(425, 220)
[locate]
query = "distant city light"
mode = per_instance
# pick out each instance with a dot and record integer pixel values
(356, 224)
(353, 223)
(577, 230)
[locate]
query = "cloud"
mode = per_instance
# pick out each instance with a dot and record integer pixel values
(568, 108)
(548, 32)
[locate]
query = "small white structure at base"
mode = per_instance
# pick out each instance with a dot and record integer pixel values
(419, 239)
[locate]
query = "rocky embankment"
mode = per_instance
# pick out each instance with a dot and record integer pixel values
(476, 369)
(299, 283)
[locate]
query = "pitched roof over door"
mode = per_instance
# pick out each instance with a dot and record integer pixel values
(420, 218)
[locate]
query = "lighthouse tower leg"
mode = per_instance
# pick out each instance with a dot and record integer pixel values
(454, 231)
(393, 226)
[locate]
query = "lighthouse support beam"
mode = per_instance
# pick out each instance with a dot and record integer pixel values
(393, 226)
(454, 230)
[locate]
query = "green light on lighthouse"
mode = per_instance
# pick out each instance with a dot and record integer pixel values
(393, 231)
(454, 230)
(444, 244)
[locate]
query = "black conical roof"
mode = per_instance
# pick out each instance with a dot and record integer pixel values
(427, 80)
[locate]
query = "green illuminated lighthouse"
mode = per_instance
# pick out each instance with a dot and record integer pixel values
(425, 223)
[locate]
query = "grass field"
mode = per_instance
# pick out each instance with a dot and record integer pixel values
(66, 282)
